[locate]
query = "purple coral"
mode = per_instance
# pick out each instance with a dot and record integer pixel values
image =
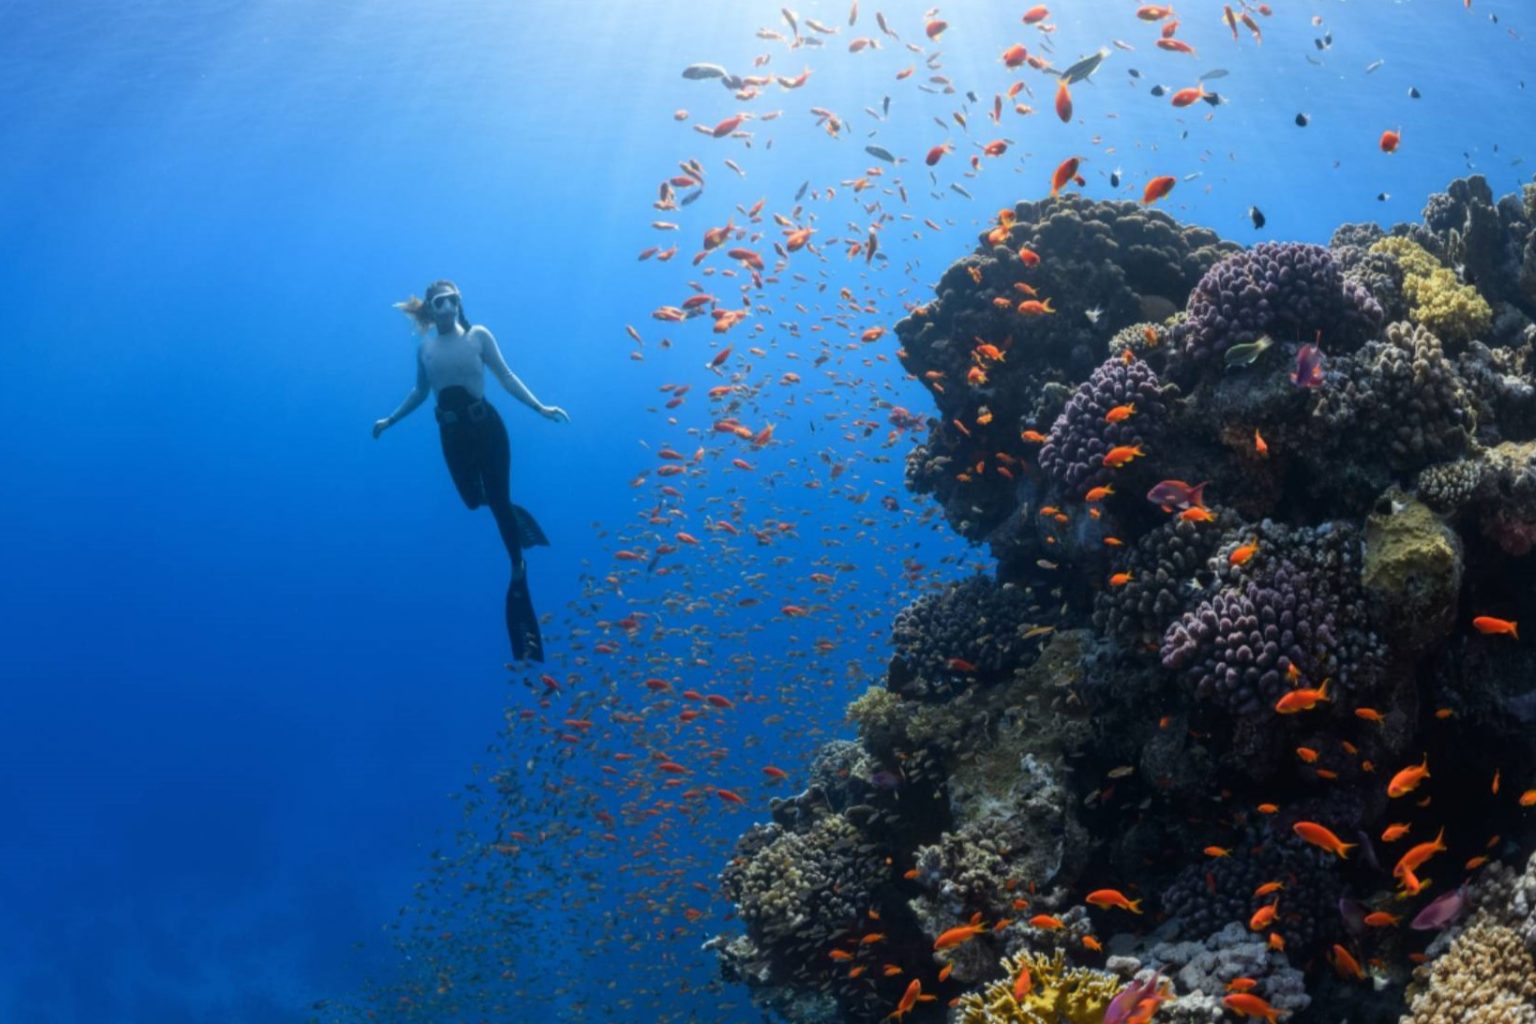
(1286, 288)
(1080, 437)
(1238, 644)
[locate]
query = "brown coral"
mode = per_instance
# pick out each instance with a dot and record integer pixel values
(1486, 977)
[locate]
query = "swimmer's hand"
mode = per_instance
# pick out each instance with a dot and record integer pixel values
(554, 412)
(379, 426)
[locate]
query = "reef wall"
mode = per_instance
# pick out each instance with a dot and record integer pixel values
(1165, 761)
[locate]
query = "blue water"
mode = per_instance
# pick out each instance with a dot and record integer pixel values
(253, 657)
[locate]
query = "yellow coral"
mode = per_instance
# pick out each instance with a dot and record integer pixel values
(1436, 299)
(1056, 993)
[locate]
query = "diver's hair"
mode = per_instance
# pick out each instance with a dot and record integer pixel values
(420, 310)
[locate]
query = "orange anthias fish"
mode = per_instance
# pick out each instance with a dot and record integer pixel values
(1407, 780)
(1157, 188)
(1106, 898)
(1302, 700)
(1263, 917)
(1322, 837)
(1119, 456)
(1345, 963)
(1242, 555)
(1490, 626)
(908, 1000)
(1120, 413)
(1063, 101)
(1066, 172)
(1392, 833)
(1389, 140)
(1184, 97)
(958, 935)
(1246, 1004)
(1415, 857)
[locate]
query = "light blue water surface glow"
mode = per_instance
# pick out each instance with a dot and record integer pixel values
(250, 653)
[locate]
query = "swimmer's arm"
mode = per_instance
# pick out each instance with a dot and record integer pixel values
(490, 355)
(418, 394)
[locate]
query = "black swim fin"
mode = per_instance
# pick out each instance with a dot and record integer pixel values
(528, 530)
(522, 621)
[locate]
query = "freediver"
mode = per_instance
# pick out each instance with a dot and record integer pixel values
(451, 362)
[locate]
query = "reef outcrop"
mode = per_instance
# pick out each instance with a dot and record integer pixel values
(1262, 522)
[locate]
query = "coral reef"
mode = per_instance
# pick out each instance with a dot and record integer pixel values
(1412, 573)
(970, 630)
(1292, 613)
(1130, 263)
(1280, 288)
(1056, 993)
(1488, 976)
(1436, 299)
(1086, 431)
(1209, 967)
(1398, 401)
(1497, 486)
(1156, 742)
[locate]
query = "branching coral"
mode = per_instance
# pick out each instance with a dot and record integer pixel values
(1054, 993)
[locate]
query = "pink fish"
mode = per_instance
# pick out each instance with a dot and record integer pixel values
(1440, 911)
(1309, 367)
(1172, 494)
(1124, 1004)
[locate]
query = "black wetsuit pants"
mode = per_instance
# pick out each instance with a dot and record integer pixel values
(479, 459)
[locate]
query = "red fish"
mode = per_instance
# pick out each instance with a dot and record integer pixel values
(1157, 188)
(937, 153)
(1490, 626)
(1185, 97)
(1064, 173)
(1063, 101)
(1389, 140)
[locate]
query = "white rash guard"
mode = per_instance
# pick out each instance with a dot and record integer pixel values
(458, 360)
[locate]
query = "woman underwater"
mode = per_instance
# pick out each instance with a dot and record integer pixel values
(450, 362)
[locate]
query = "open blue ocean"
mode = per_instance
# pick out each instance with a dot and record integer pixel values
(843, 349)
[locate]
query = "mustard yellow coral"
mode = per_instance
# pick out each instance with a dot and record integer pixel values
(1057, 993)
(1436, 299)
